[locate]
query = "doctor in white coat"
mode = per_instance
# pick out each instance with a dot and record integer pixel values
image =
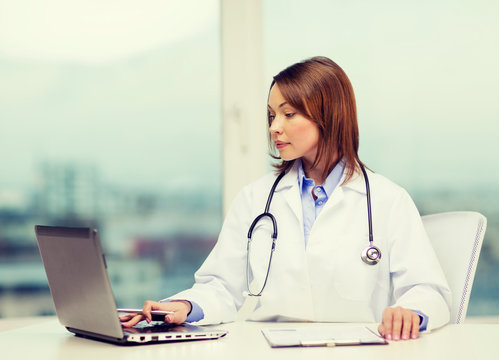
(316, 272)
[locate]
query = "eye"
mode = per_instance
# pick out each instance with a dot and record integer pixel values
(271, 117)
(290, 115)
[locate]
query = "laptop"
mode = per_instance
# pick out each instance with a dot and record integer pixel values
(82, 294)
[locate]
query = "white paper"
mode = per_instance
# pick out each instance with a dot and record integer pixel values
(321, 335)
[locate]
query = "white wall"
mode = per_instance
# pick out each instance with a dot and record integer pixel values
(243, 98)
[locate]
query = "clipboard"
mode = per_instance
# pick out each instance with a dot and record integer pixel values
(309, 336)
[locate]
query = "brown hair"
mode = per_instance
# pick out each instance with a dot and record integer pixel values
(320, 90)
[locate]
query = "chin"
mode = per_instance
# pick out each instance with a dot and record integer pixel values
(288, 158)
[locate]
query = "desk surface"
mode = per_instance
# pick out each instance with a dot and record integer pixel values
(49, 340)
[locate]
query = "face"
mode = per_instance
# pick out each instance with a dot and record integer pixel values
(293, 134)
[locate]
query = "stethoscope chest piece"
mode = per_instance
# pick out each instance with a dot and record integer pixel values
(371, 255)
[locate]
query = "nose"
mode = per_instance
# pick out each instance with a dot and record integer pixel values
(276, 126)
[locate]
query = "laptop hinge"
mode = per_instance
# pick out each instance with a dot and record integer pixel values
(92, 335)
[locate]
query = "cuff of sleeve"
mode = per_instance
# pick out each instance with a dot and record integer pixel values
(423, 320)
(196, 313)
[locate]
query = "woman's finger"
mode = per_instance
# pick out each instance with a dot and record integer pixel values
(407, 324)
(133, 321)
(397, 323)
(415, 326)
(387, 323)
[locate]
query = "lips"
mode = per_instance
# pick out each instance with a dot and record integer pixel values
(280, 144)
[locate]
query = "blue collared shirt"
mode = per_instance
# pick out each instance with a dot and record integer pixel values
(312, 207)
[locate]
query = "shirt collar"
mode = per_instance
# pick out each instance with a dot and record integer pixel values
(332, 180)
(355, 183)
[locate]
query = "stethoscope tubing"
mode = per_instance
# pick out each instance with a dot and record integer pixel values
(370, 255)
(369, 213)
(266, 213)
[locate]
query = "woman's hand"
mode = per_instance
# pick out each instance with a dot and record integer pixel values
(180, 309)
(399, 323)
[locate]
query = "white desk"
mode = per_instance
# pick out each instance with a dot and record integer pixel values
(49, 340)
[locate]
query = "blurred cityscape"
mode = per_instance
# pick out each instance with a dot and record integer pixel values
(155, 240)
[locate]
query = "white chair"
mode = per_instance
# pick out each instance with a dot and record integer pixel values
(457, 239)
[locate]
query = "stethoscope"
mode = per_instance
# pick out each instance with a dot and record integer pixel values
(370, 255)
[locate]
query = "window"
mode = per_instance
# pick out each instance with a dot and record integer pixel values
(109, 117)
(97, 103)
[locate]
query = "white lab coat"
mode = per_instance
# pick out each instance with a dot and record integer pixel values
(325, 280)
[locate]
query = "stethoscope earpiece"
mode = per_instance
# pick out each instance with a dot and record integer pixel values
(371, 255)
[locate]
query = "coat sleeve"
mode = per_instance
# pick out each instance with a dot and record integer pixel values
(220, 282)
(417, 277)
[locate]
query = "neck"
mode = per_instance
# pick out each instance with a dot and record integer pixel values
(314, 173)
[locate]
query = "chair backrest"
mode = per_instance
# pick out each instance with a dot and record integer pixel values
(457, 239)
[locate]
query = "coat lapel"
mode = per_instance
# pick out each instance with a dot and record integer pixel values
(356, 183)
(288, 188)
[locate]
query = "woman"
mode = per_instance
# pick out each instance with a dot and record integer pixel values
(316, 272)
